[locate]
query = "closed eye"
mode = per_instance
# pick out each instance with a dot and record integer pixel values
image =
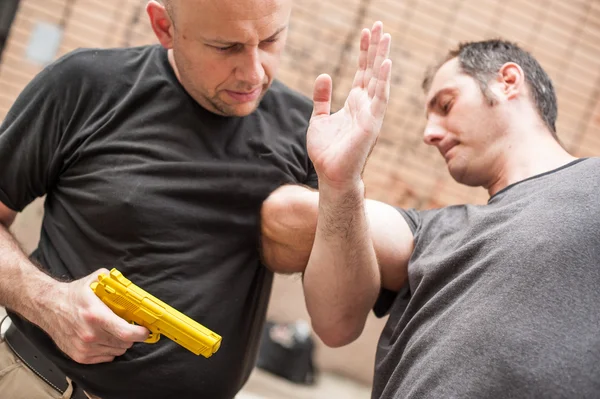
(225, 48)
(446, 106)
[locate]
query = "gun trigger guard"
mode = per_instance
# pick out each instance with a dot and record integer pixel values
(152, 338)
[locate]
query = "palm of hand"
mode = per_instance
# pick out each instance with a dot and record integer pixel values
(339, 144)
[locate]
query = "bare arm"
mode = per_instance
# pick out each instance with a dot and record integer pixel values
(342, 279)
(289, 224)
(79, 323)
(22, 282)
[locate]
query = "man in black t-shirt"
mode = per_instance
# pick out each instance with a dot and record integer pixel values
(156, 160)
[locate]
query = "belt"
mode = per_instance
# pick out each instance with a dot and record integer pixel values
(38, 363)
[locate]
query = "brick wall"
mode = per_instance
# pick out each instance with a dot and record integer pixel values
(403, 171)
(564, 36)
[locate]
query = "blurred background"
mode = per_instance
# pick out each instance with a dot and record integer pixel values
(323, 38)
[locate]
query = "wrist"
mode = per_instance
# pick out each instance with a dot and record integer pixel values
(41, 295)
(335, 192)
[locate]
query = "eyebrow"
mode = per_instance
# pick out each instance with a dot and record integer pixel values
(434, 100)
(230, 43)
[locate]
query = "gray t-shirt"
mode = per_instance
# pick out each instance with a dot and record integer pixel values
(504, 298)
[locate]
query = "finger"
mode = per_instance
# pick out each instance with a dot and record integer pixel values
(365, 37)
(97, 359)
(118, 327)
(97, 349)
(88, 356)
(372, 52)
(375, 38)
(322, 95)
(382, 91)
(107, 340)
(383, 53)
(104, 350)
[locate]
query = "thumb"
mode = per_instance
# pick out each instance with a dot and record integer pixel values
(322, 95)
(111, 322)
(90, 278)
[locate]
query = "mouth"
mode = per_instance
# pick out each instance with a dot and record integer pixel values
(445, 149)
(244, 97)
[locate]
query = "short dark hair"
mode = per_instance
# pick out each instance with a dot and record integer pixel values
(482, 60)
(168, 4)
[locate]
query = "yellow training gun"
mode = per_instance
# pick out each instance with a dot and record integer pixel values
(137, 306)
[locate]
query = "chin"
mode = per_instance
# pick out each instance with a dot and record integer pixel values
(240, 109)
(244, 109)
(460, 175)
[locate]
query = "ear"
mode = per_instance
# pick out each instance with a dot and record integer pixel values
(161, 23)
(512, 80)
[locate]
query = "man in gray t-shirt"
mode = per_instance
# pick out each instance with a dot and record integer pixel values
(505, 299)
(498, 300)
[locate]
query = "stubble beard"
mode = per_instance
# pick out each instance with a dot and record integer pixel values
(230, 110)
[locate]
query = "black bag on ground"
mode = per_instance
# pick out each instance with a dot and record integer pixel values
(286, 350)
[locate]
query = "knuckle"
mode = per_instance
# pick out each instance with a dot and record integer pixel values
(79, 358)
(79, 347)
(88, 360)
(87, 337)
(90, 317)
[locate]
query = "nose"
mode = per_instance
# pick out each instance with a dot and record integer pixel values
(434, 132)
(250, 68)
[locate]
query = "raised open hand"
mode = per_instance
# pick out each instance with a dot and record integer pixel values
(339, 144)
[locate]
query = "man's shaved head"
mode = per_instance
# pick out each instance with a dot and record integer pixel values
(225, 53)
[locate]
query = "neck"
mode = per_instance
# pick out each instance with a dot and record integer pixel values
(199, 99)
(531, 152)
(171, 59)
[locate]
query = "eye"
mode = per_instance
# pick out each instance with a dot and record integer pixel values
(225, 49)
(446, 105)
(268, 42)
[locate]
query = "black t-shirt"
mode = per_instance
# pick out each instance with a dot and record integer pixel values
(139, 177)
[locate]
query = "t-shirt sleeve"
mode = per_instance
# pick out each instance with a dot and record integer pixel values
(29, 139)
(387, 298)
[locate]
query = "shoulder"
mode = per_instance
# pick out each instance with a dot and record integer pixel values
(90, 78)
(434, 219)
(92, 63)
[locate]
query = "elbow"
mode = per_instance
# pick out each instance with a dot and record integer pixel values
(7, 216)
(339, 334)
(288, 224)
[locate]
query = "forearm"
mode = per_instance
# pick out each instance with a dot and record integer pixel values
(23, 285)
(342, 278)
